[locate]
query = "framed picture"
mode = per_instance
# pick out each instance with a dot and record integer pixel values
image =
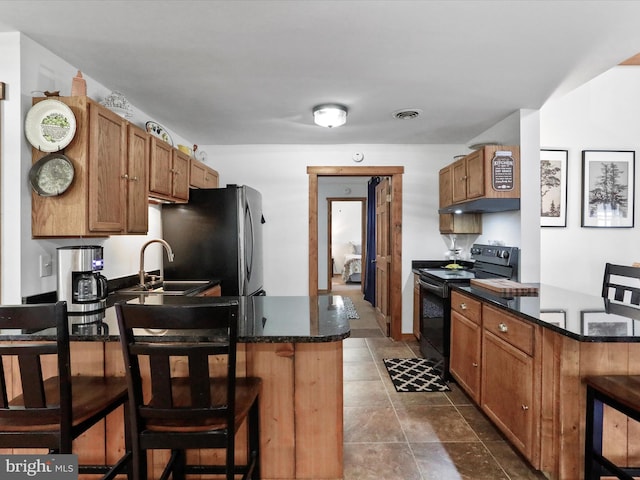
(598, 323)
(608, 188)
(554, 317)
(553, 188)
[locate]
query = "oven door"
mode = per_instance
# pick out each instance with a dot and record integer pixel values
(435, 323)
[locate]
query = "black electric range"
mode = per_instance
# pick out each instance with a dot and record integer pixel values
(488, 261)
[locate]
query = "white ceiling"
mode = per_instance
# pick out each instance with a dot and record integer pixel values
(250, 72)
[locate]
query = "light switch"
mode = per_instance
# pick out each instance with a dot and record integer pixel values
(46, 268)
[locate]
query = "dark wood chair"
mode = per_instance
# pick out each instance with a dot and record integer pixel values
(621, 295)
(621, 290)
(51, 412)
(195, 407)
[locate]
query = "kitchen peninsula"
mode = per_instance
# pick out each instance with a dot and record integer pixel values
(522, 359)
(293, 343)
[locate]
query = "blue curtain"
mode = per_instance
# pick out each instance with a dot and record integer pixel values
(370, 261)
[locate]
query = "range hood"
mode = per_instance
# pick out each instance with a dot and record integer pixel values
(484, 205)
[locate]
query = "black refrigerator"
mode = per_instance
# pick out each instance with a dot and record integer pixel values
(217, 235)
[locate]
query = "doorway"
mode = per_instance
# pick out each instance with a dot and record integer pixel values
(395, 212)
(346, 245)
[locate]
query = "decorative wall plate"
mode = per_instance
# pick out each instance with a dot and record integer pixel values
(159, 131)
(51, 175)
(50, 125)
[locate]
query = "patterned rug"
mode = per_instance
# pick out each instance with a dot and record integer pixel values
(352, 314)
(415, 375)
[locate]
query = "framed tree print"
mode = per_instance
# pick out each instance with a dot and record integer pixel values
(608, 188)
(553, 188)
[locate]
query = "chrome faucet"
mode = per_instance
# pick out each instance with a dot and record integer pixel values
(166, 246)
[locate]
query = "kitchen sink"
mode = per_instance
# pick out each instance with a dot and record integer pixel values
(168, 287)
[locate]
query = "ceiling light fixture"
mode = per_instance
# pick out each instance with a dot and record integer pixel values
(330, 115)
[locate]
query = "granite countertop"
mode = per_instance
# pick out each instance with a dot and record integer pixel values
(573, 314)
(263, 319)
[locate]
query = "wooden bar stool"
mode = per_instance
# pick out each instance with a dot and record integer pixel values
(621, 295)
(621, 392)
(195, 400)
(51, 412)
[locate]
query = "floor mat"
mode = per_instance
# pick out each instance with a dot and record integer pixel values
(415, 375)
(352, 314)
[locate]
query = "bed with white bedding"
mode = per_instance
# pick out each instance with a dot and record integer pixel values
(352, 268)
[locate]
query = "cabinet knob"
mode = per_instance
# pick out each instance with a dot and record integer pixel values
(463, 306)
(475, 364)
(134, 179)
(125, 176)
(503, 328)
(525, 407)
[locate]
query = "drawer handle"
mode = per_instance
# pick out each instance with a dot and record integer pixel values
(463, 306)
(503, 328)
(525, 407)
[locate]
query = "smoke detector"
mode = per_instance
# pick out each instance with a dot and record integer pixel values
(407, 114)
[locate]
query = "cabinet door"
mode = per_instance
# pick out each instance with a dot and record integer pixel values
(475, 174)
(197, 174)
(459, 181)
(210, 178)
(107, 165)
(507, 391)
(466, 342)
(136, 181)
(180, 170)
(445, 187)
(160, 175)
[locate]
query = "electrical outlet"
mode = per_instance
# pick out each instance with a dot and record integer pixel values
(46, 268)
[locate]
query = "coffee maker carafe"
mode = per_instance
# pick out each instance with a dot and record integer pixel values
(79, 282)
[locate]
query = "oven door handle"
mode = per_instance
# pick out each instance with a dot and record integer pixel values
(437, 289)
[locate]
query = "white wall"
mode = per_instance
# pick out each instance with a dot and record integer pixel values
(601, 115)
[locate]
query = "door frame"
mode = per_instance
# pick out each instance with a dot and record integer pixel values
(395, 277)
(363, 226)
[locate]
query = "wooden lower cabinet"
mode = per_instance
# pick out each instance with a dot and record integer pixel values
(532, 386)
(508, 391)
(464, 366)
(301, 410)
(493, 358)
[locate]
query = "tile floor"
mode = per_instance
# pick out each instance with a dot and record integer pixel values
(412, 436)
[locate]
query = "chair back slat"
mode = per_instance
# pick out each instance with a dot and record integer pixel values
(32, 381)
(193, 337)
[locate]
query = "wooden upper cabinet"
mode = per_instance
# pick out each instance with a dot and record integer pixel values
(97, 203)
(160, 166)
(180, 181)
(202, 176)
(135, 179)
(458, 181)
(446, 187)
(168, 172)
(484, 173)
(455, 223)
(107, 165)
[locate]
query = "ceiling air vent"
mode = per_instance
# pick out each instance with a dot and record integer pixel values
(408, 114)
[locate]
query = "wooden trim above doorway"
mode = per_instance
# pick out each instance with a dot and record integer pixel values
(395, 173)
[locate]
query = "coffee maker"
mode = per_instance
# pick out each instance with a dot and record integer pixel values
(80, 283)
